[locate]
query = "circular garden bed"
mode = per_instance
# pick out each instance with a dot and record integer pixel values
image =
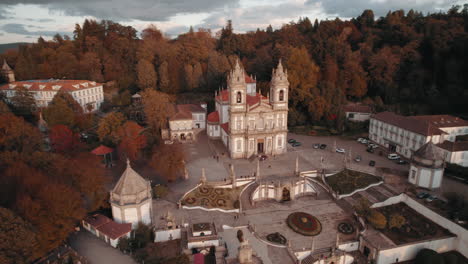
(345, 228)
(276, 238)
(304, 224)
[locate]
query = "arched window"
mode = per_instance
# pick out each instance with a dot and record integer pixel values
(281, 95)
(239, 97)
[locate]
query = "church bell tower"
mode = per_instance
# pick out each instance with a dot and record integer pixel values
(279, 88)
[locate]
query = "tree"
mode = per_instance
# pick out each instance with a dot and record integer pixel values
(109, 126)
(396, 221)
(63, 110)
(131, 139)
(377, 219)
(63, 140)
(17, 238)
(147, 77)
(168, 160)
(17, 135)
(23, 103)
(164, 81)
(157, 108)
(428, 256)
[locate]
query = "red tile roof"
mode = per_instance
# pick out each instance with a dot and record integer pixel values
(97, 220)
(253, 99)
(49, 85)
(192, 108)
(102, 150)
(108, 227)
(249, 79)
(408, 123)
(181, 116)
(357, 108)
(213, 117)
(442, 120)
(223, 96)
(225, 127)
(199, 258)
(454, 146)
(115, 230)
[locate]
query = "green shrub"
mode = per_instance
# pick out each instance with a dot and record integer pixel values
(428, 256)
(160, 191)
(396, 221)
(377, 219)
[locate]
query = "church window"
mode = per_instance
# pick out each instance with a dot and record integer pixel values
(281, 95)
(280, 142)
(239, 97)
(413, 174)
(239, 145)
(239, 124)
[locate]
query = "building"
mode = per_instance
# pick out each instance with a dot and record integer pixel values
(7, 72)
(186, 122)
(357, 112)
(406, 134)
(202, 236)
(455, 152)
(427, 167)
(247, 122)
(106, 229)
(131, 199)
(88, 94)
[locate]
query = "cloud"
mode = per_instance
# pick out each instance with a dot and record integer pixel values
(347, 8)
(20, 29)
(124, 10)
(4, 12)
(41, 20)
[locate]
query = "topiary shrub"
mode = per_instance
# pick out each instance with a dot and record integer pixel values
(160, 191)
(377, 219)
(396, 221)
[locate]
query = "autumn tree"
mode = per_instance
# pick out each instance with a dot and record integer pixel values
(157, 108)
(131, 139)
(63, 110)
(17, 238)
(147, 77)
(164, 81)
(23, 103)
(168, 161)
(18, 135)
(63, 140)
(109, 126)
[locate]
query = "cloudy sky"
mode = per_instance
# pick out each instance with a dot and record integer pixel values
(26, 20)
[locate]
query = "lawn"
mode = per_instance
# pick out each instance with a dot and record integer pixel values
(347, 181)
(211, 197)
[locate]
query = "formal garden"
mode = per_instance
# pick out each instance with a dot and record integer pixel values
(212, 197)
(401, 223)
(347, 181)
(304, 224)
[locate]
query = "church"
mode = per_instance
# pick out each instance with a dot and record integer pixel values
(247, 122)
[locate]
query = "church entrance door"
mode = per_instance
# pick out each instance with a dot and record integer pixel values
(260, 148)
(286, 195)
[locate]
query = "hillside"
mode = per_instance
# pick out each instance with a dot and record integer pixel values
(8, 46)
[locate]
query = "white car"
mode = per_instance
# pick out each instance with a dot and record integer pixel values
(372, 145)
(359, 140)
(340, 150)
(393, 156)
(168, 142)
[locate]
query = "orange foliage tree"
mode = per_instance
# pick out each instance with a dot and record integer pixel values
(63, 140)
(131, 139)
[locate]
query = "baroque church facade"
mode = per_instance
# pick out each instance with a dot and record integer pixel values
(247, 122)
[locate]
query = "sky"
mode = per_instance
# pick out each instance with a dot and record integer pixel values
(26, 20)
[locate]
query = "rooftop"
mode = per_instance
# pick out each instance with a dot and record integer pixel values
(51, 85)
(102, 150)
(408, 123)
(131, 187)
(441, 121)
(454, 146)
(213, 117)
(429, 151)
(358, 108)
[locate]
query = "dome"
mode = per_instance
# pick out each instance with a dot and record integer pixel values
(131, 188)
(429, 156)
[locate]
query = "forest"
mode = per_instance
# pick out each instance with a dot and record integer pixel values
(405, 62)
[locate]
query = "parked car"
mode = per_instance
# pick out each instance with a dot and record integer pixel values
(168, 142)
(340, 150)
(291, 140)
(360, 140)
(370, 150)
(372, 163)
(263, 157)
(422, 195)
(358, 158)
(372, 145)
(393, 156)
(316, 146)
(431, 198)
(401, 162)
(296, 144)
(323, 146)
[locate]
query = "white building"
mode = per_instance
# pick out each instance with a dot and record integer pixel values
(202, 235)
(106, 229)
(427, 167)
(7, 72)
(186, 122)
(131, 199)
(406, 134)
(455, 152)
(88, 94)
(357, 112)
(247, 122)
